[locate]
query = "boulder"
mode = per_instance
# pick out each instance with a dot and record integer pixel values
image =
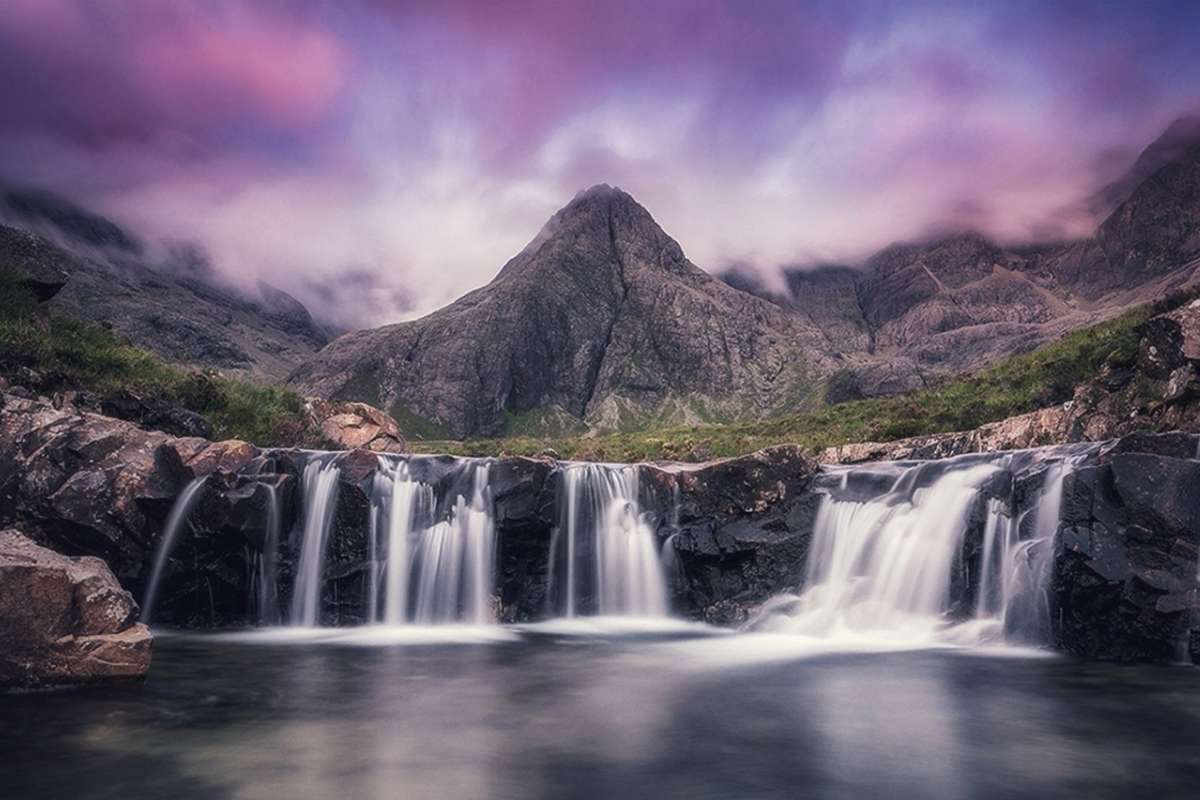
(350, 426)
(64, 620)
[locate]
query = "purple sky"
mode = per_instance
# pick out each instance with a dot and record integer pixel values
(416, 146)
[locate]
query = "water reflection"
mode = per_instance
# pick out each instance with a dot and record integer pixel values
(605, 712)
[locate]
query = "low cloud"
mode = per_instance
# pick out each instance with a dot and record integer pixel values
(378, 160)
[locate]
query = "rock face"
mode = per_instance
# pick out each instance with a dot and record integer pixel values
(86, 484)
(97, 271)
(1125, 577)
(64, 620)
(739, 530)
(42, 266)
(598, 321)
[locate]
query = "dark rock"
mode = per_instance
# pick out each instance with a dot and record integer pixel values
(1125, 577)
(741, 529)
(154, 413)
(64, 620)
(43, 267)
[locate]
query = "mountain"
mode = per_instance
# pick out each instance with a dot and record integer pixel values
(173, 305)
(1180, 135)
(600, 322)
(915, 312)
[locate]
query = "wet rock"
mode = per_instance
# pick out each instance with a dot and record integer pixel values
(523, 493)
(741, 529)
(64, 620)
(86, 484)
(1125, 577)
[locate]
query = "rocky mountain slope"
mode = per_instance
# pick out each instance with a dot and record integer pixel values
(170, 304)
(915, 312)
(600, 321)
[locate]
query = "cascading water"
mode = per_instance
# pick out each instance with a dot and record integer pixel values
(320, 486)
(432, 563)
(175, 523)
(605, 556)
(453, 562)
(884, 562)
(266, 584)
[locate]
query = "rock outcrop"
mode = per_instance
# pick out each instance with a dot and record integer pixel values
(739, 530)
(1125, 584)
(87, 484)
(64, 620)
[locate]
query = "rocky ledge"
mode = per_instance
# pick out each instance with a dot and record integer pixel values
(733, 532)
(64, 620)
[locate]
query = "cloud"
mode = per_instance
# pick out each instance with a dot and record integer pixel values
(378, 159)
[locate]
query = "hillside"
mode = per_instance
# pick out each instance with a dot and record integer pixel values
(1136, 372)
(171, 303)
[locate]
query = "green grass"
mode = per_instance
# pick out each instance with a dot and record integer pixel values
(86, 356)
(1012, 386)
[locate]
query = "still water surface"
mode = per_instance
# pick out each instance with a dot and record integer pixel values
(595, 710)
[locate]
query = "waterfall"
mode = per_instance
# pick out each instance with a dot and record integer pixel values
(320, 487)
(266, 588)
(605, 549)
(431, 562)
(890, 541)
(175, 523)
(1016, 572)
(453, 563)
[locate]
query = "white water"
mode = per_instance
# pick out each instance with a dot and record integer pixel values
(883, 569)
(266, 584)
(320, 485)
(453, 562)
(175, 523)
(426, 569)
(605, 547)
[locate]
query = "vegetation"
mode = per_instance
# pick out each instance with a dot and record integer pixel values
(1012, 386)
(83, 356)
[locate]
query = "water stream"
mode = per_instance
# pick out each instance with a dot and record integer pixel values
(176, 522)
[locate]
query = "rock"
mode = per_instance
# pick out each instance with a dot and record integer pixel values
(43, 267)
(64, 620)
(1125, 576)
(740, 532)
(1035, 429)
(86, 484)
(351, 426)
(154, 413)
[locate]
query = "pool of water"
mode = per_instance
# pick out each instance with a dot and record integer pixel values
(603, 710)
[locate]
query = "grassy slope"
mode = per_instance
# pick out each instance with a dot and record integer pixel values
(1012, 386)
(94, 359)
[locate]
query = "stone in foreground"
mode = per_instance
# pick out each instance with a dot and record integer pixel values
(64, 620)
